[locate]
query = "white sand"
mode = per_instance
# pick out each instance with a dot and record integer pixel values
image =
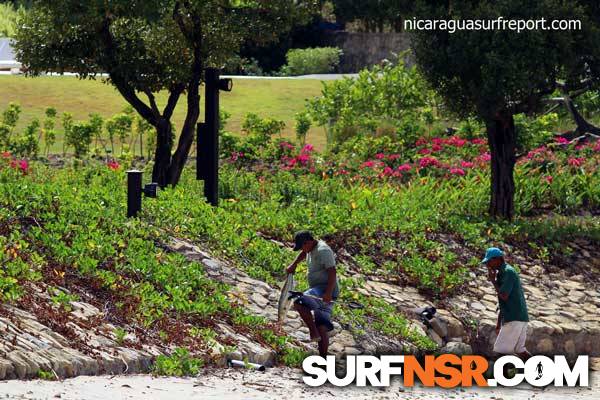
(277, 383)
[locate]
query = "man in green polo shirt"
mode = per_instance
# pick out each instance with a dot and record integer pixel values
(511, 329)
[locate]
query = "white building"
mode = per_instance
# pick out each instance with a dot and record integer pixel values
(7, 57)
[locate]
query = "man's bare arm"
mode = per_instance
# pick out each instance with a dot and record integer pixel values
(292, 267)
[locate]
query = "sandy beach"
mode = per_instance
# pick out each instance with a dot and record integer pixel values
(276, 383)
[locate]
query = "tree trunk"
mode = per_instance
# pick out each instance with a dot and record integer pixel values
(162, 156)
(502, 142)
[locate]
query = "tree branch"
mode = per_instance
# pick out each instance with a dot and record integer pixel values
(121, 84)
(172, 101)
(152, 100)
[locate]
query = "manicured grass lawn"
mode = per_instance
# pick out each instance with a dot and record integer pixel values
(279, 99)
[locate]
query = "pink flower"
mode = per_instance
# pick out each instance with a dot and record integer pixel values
(437, 141)
(286, 145)
(113, 165)
(303, 159)
(427, 161)
(457, 171)
(5, 154)
(478, 141)
(456, 141)
(597, 146)
(380, 156)
(307, 148)
(579, 147)
(424, 151)
(575, 162)
(561, 140)
(421, 141)
(404, 167)
(467, 164)
(548, 179)
(236, 155)
(485, 157)
(436, 147)
(342, 172)
(387, 171)
(535, 152)
(292, 162)
(23, 165)
(392, 157)
(368, 164)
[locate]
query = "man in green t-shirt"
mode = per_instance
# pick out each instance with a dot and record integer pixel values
(511, 329)
(323, 287)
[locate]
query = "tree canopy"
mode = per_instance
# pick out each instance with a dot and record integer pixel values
(146, 46)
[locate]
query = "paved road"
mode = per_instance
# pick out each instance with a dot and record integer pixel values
(320, 77)
(227, 384)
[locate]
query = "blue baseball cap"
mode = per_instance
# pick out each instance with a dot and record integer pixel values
(490, 253)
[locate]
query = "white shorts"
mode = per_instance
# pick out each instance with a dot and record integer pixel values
(511, 338)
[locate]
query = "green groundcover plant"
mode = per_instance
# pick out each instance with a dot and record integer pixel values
(396, 212)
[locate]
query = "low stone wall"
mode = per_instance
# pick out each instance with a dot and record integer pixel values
(28, 346)
(564, 312)
(362, 50)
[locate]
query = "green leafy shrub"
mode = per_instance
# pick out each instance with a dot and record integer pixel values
(470, 128)
(120, 334)
(67, 121)
(80, 136)
(382, 97)
(10, 117)
(8, 19)
(302, 126)
(318, 60)
(28, 144)
(119, 126)
(534, 132)
(46, 375)
(63, 299)
(180, 363)
(49, 129)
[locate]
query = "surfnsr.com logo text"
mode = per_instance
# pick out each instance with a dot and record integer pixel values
(446, 371)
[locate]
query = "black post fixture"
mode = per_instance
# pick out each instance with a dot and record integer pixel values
(207, 164)
(200, 151)
(134, 192)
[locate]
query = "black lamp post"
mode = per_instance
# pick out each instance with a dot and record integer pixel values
(207, 158)
(134, 192)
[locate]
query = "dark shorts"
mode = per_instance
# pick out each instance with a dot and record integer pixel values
(321, 310)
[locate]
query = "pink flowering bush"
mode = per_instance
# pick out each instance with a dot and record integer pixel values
(7, 160)
(113, 165)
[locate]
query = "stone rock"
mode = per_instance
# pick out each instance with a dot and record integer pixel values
(260, 300)
(439, 326)
(455, 327)
(457, 348)
(576, 296)
(570, 348)
(435, 337)
(540, 327)
(544, 346)
(351, 351)
(418, 327)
